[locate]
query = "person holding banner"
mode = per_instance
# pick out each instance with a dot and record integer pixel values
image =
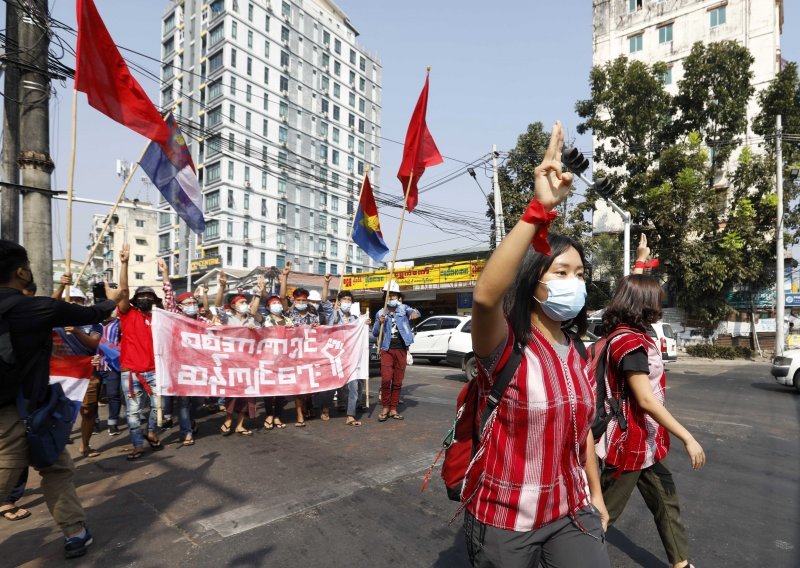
(241, 317)
(340, 316)
(30, 324)
(532, 488)
(397, 336)
(137, 358)
(273, 405)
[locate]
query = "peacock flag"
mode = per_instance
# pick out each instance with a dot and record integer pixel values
(367, 227)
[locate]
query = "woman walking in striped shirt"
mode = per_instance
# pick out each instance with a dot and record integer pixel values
(533, 488)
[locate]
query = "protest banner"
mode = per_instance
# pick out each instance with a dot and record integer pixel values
(232, 361)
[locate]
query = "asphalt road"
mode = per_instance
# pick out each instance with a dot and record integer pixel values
(331, 495)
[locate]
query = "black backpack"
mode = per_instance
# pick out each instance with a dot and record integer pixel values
(7, 359)
(598, 353)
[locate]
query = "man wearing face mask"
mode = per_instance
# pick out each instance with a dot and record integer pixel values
(397, 336)
(343, 314)
(137, 359)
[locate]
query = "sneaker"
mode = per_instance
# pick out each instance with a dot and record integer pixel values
(76, 546)
(113, 430)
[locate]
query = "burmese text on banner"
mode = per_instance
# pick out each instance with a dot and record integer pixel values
(231, 361)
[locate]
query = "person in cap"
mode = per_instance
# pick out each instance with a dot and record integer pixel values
(396, 338)
(137, 358)
(241, 316)
(344, 314)
(273, 405)
(81, 340)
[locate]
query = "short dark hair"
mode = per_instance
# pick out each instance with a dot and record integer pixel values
(300, 292)
(519, 300)
(636, 303)
(345, 294)
(12, 256)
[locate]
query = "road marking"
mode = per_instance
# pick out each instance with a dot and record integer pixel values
(265, 512)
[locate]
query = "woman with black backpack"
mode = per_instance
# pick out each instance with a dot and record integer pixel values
(532, 489)
(634, 453)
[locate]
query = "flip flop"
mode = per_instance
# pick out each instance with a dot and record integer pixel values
(268, 425)
(226, 430)
(90, 453)
(353, 423)
(155, 445)
(396, 416)
(383, 417)
(13, 511)
(300, 424)
(279, 425)
(244, 432)
(135, 455)
(325, 416)
(188, 442)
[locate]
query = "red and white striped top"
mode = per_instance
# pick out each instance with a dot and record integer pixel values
(528, 468)
(644, 442)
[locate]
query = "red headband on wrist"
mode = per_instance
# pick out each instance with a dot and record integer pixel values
(536, 215)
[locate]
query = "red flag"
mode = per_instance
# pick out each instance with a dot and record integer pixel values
(101, 73)
(420, 150)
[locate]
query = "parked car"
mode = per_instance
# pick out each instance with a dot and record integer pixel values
(374, 357)
(786, 368)
(660, 331)
(460, 354)
(432, 335)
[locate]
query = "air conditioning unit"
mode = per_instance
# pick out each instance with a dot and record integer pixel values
(281, 247)
(247, 184)
(324, 115)
(285, 118)
(286, 42)
(286, 68)
(285, 93)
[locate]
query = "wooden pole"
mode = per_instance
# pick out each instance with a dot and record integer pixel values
(394, 259)
(113, 210)
(70, 188)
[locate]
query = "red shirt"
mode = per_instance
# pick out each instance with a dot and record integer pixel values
(528, 469)
(645, 442)
(136, 347)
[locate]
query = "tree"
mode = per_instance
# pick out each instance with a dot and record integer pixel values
(655, 148)
(515, 178)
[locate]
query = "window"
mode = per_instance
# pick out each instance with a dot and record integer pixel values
(334, 248)
(217, 7)
(230, 229)
(281, 211)
(283, 110)
(250, 12)
(665, 34)
(142, 242)
(263, 207)
(449, 323)
(281, 236)
(163, 241)
(322, 222)
(231, 202)
(266, 23)
(248, 120)
(280, 261)
(233, 85)
(337, 46)
(263, 259)
(231, 141)
(634, 5)
(284, 83)
(230, 170)
(214, 89)
(334, 203)
(213, 173)
(138, 275)
(211, 232)
(284, 34)
(264, 133)
(335, 157)
(282, 186)
(249, 93)
(212, 201)
(250, 39)
(164, 219)
(337, 90)
(169, 46)
(246, 230)
(234, 29)
(352, 56)
(334, 225)
(718, 16)
(362, 64)
(429, 325)
(326, 37)
(140, 222)
(244, 258)
(321, 268)
(215, 62)
(246, 201)
(635, 43)
(139, 257)
(247, 174)
(283, 134)
(216, 35)
(215, 116)
(286, 10)
(666, 78)
(232, 113)
(284, 59)
(249, 66)
(266, 82)
(233, 57)
(169, 23)
(323, 152)
(230, 255)
(337, 68)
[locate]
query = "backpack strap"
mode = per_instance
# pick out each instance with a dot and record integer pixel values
(501, 383)
(580, 346)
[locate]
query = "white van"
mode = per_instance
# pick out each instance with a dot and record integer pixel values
(660, 331)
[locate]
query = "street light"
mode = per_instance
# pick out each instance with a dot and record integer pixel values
(578, 163)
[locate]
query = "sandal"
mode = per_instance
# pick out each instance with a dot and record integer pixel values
(279, 424)
(352, 422)
(155, 445)
(226, 430)
(383, 417)
(90, 453)
(300, 424)
(325, 415)
(134, 455)
(244, 432)
(15, 514)
(396, 416)
(188, 441)
(268, 425)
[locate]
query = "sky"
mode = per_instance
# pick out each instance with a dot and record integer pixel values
(495, 68)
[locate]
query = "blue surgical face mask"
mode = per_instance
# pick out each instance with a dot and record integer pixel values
(393, 303)
(275, 308)
(301, 306)
(565, 298)
(191, 311)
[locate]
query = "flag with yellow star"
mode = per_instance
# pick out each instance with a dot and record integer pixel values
(367, 227)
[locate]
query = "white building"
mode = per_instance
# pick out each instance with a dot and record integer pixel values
(665, 30)
(281, 109)
(135, 223)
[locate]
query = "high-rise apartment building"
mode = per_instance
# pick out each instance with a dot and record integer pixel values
(666, 30)
(281, 109)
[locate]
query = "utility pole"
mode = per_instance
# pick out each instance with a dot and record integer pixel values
(499, 221)
(779, 295)
(34, 158)
(10, 199)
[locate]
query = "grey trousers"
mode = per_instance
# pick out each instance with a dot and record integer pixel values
(560, 544)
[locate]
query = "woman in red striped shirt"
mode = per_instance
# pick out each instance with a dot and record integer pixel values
(533, 487)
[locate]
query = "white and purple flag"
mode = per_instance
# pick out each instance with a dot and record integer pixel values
(171, 169)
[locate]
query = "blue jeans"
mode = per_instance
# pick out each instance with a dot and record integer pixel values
(140, 405)
(113, 391)
(352, 397)
(185, 412)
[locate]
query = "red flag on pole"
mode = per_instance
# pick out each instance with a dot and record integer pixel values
(102, 74)
(420, 150)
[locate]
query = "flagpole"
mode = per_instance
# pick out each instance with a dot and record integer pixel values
(70, 186)
(103, 231)
(394, 257)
